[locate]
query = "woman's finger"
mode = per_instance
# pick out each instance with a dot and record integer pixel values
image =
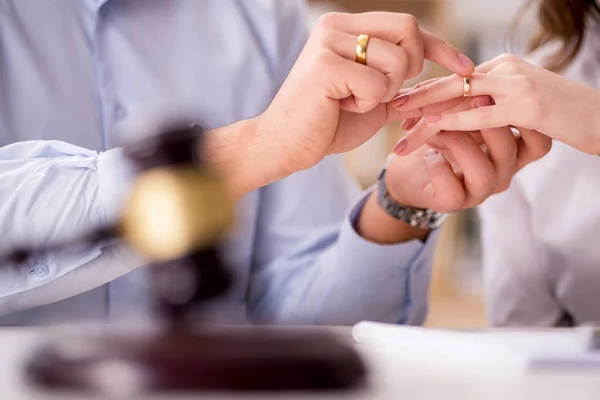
(452, 87)
(478, 171)
(431, 109)
(418, 85)
(423, 130)
(495, 116)
(445, 191)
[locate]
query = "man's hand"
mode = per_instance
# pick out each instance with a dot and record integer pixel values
(332, 104)
(329, 102)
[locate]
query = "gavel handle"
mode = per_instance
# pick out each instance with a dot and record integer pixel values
(23, 254)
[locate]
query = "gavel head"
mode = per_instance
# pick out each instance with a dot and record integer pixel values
(177, 206)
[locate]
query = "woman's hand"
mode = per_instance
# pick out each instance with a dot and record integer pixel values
(527, 97)
(462, 169)
(332, 104)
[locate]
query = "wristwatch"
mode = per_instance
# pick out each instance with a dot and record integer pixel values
(417, 217)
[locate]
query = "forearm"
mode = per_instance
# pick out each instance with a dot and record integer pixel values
(246, 155)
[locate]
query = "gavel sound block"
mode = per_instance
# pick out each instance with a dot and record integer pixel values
(175, 215)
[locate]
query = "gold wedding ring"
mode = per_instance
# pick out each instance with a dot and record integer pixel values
(466, 86)
(361, 49)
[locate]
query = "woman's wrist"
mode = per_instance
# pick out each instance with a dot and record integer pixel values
(246, 154)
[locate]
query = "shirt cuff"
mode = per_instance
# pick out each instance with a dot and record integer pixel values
(115, 178)
(412, 260)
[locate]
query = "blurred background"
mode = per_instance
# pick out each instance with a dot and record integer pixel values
(481, 29)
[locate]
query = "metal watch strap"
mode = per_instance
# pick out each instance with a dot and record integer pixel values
(417, 217)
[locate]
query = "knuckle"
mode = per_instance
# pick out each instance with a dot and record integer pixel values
(329, 20)
(365, 105)
(323, 58)
(327, 37)
(527, 85)
(409, 22)
(508, 68)
(502, 186)
(399, 61)
(453, 200)
(507, 58)
(380, 89)
(483, 184)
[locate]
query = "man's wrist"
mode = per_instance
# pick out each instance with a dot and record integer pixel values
(246, 155)
(375, 225)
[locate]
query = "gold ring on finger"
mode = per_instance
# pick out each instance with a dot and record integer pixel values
(361, 49)
(466, 86)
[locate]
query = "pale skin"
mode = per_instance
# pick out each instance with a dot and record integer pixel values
(330, 104)
(540, 104)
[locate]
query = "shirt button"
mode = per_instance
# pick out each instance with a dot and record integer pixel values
(39, 271)
(120, 111)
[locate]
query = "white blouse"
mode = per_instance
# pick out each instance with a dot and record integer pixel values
(541, 238)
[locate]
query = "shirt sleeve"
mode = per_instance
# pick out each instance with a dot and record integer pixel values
(516, 286)
(312, 267)
(53, 191)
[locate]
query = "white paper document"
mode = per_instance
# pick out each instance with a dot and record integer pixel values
(502, 348)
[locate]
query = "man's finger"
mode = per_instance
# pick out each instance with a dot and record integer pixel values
(445, 192)
(398, 29)
(446, 55)
(387, 58)
(478, 171)
(360, 89)
(502, 149)
(532, 146)
(403, 29)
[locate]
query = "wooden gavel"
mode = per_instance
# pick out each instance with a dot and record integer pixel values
(175, 215)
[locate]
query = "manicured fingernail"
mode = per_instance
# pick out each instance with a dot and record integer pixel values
(466, 61)
(431, 153)
(483, 102)
(433, 118)
(407, 124)
(400, 146)
(401, 100)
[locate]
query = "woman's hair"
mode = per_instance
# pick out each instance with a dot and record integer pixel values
(564, 21)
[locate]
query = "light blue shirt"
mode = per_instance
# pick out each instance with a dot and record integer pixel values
(71, 71)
